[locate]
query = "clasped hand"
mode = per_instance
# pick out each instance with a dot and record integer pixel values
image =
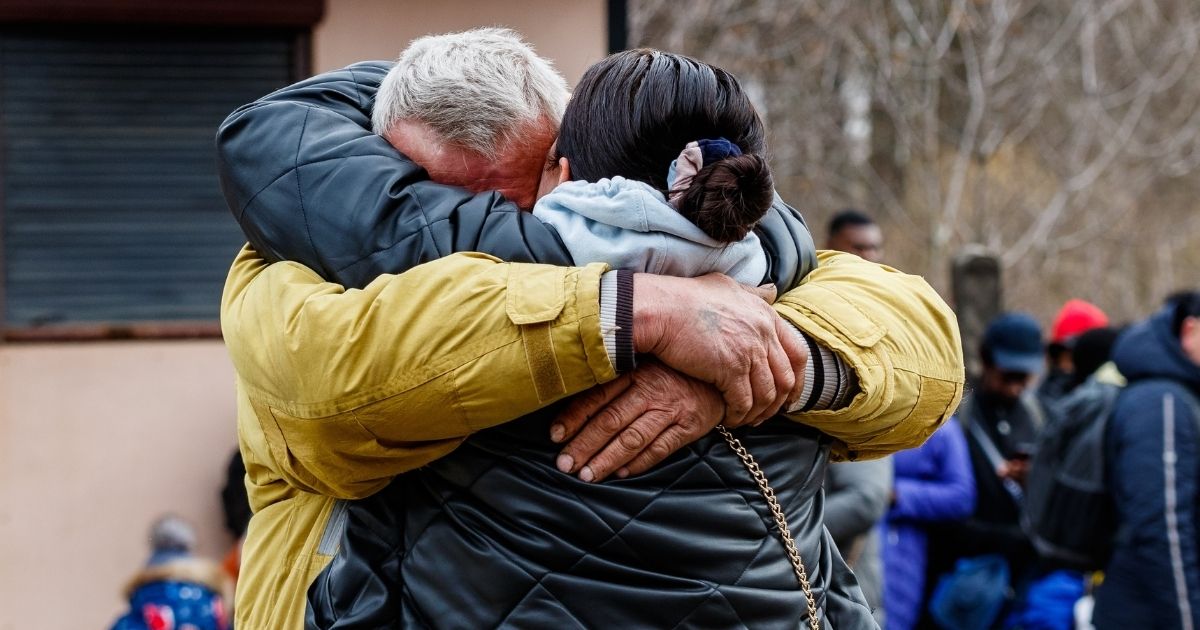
(724, 356)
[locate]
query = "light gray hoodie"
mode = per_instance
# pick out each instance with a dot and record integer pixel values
(629, 225)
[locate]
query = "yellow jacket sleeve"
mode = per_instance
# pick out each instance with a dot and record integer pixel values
(352, 387)
(900, 339)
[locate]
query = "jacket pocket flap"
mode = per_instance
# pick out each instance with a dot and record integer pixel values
(849, 320)
(534, 297)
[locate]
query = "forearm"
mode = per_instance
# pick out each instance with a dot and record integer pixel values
(900, 340)
(616, 318)
(352, 383)
(828, 381)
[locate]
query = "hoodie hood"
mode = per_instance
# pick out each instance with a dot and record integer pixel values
(629, 225)
(1150, 349)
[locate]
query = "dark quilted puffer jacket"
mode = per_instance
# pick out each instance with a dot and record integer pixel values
(493, 535)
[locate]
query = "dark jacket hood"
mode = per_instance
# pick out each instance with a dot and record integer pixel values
(1150, 349)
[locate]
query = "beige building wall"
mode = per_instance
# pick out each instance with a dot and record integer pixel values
(97, 439)
(572, 33)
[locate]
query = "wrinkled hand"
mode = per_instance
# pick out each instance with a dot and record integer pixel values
(630, 424)
(722, 333)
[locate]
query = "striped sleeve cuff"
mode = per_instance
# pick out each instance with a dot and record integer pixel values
(616, 318)
(828, 382)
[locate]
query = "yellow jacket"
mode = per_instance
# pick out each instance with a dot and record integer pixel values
(340, 390)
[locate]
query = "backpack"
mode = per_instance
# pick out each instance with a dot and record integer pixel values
(1068, 512)
(1068, 484)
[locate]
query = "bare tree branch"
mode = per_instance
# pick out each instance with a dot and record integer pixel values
(1053, 132)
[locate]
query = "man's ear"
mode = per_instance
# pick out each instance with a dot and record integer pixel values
(564, 170)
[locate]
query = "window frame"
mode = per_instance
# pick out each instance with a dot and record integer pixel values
(299, 16)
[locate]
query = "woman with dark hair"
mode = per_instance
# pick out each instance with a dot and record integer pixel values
(653, 146)
(659, 166)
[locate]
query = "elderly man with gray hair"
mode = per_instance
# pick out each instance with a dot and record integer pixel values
(477, 110)
(353, 379)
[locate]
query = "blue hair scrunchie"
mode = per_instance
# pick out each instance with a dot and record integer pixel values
(693, 158)
(718, 149)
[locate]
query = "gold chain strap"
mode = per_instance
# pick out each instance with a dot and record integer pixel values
(780, 520)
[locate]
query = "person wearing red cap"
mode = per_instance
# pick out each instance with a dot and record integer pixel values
(1073, 319)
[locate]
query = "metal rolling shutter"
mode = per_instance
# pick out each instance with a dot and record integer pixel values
(110, 202)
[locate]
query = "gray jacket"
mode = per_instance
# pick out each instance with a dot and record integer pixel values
(857, 495)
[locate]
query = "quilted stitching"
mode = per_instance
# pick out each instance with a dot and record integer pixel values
(464, 509)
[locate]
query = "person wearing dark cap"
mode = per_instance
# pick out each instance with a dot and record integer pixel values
(1075, 318)
(856, 493)
(1001, 420)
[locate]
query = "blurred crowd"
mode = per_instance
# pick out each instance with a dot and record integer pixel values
(1062, 494)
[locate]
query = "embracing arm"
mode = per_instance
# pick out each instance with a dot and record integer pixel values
(890, 330)
(352, 387)
(309, 182)
(899, 338)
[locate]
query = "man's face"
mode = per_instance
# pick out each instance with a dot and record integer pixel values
(1004, 384)
(1189, 336)
(515, 173)
(864, 241)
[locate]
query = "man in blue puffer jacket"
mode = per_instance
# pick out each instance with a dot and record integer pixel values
(1153, 578)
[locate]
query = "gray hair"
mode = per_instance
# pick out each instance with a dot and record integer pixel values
(477, 89)
(172, 533)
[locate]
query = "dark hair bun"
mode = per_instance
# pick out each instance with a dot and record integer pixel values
(727, 198)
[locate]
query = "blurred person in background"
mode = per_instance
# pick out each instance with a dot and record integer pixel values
(855, 232)
(176, 590)
(235, 504)
(1001, 420)
(933, 484)
(1060, 514)
(856, 498)
(1073, 319)
(1153, 446)
(857, 493)
(1091, 356)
